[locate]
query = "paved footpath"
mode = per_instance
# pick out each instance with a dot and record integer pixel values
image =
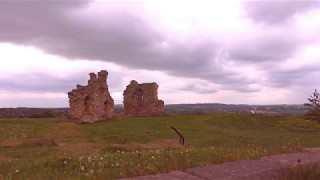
(265, 168)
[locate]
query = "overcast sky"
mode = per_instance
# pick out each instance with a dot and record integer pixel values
(239, 52)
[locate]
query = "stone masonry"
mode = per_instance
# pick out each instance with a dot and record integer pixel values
(92, 102)
(142, 100)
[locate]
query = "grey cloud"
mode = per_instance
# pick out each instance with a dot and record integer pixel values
(200, 88)
(275, 42)
(121, 35)
(277, 12)
(267, 46)
(124, 35)
(37, 82)
(37, 102)
(44, 82)
(243, 88)
(304, 76)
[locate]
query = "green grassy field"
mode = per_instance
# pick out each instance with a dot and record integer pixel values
(130, 147)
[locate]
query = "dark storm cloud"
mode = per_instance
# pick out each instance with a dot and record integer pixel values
(277, 12)
(119, 34)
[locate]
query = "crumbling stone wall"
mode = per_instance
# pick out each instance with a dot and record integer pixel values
(142, 99)
(92, 102)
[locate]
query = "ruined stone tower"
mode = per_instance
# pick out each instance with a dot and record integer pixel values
(142, 100)
(92, 102)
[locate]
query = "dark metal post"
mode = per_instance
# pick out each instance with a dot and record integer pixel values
(181, 136)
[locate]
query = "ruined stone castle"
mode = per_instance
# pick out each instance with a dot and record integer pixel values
(93, 102)
(142, 100)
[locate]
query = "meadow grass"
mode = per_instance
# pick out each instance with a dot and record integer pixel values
(13, 129)
(213, 138)
(231, 130)
(51, 163)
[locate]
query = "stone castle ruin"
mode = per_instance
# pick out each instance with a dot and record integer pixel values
(142, 100)
(92, 102)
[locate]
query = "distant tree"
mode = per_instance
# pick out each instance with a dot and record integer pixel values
(313, 107)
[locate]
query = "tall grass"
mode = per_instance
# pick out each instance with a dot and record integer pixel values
(113, 163)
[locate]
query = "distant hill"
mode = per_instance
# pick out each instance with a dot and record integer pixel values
(24, 112)
(229, 108)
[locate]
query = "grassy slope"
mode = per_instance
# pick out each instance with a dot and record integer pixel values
(207, 130)
(219, 130)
